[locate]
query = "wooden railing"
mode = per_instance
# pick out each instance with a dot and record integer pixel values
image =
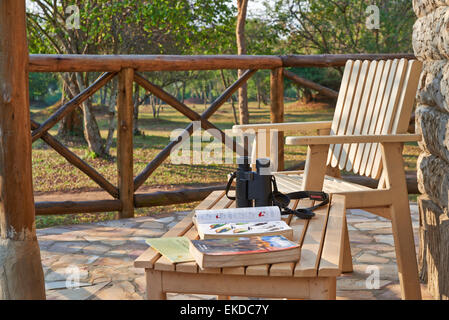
(127, 68)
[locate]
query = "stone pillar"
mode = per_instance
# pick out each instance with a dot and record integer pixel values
(431, 45)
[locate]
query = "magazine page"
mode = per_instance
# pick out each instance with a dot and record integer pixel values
(242, 228)
(176, 249)
(243, 245)
(238, 215)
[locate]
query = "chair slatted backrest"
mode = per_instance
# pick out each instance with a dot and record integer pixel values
(376, 97)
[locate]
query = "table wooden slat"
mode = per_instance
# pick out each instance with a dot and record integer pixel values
(312, 244)
(332, 255)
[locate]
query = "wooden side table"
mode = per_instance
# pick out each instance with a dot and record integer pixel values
(312, 277)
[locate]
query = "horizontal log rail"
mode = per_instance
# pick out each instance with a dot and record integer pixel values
(71, 207)
(161, 198)
(115, 63)
(127, 67)
(310, 84)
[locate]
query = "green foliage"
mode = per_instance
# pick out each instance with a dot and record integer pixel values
(339, 26)
(90, 155)
(132, 26)
(43, 86)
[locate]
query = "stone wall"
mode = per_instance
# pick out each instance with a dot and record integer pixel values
(431, 45)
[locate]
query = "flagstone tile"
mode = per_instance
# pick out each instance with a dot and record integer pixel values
(354, 295)
(82, 293)
(68, 246)
(122, 290)
(373, 225)
(96, 249)
(152, 225)
(371, 258)
(358, 284)
(363, 213)
(52, 231)
(388, 239)
(65, 285)
(387, 271)
(165, 219)
(376, 247)
(359, 237)
(380, 231)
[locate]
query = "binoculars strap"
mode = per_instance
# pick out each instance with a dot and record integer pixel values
(228, 186)
(283, 200)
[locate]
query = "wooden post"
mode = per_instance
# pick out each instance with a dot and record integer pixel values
(21, 275)
(277, 109)
(125, 143)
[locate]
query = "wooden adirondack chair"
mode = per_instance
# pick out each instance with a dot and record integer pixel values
(366, 137)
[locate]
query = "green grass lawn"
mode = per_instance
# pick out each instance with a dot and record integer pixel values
(52, 173)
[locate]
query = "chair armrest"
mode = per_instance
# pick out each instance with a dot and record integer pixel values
(314, 140)
(296, 126)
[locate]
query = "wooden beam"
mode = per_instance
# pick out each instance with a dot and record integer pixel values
(115, 63)
(311, 85)
(21, 275)
(101, 63)
(125, 143)
(161, 198)
(71, 207)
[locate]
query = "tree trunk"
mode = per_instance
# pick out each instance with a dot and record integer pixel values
(91, 130)
(21, 275)
(226, 84)
(136, 109)
(111, 127)
(242, 6)
(307, 95)
(71, 124)
(183, 91)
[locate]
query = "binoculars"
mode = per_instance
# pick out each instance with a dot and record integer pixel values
(253, 189)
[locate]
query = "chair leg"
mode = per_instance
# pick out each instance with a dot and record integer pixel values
(405, 250)
(401, 221)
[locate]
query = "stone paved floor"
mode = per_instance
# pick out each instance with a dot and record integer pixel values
(99, 257)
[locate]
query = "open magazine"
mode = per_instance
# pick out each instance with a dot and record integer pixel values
(239, 222)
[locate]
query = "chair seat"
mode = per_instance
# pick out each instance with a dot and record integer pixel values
(293, 181)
